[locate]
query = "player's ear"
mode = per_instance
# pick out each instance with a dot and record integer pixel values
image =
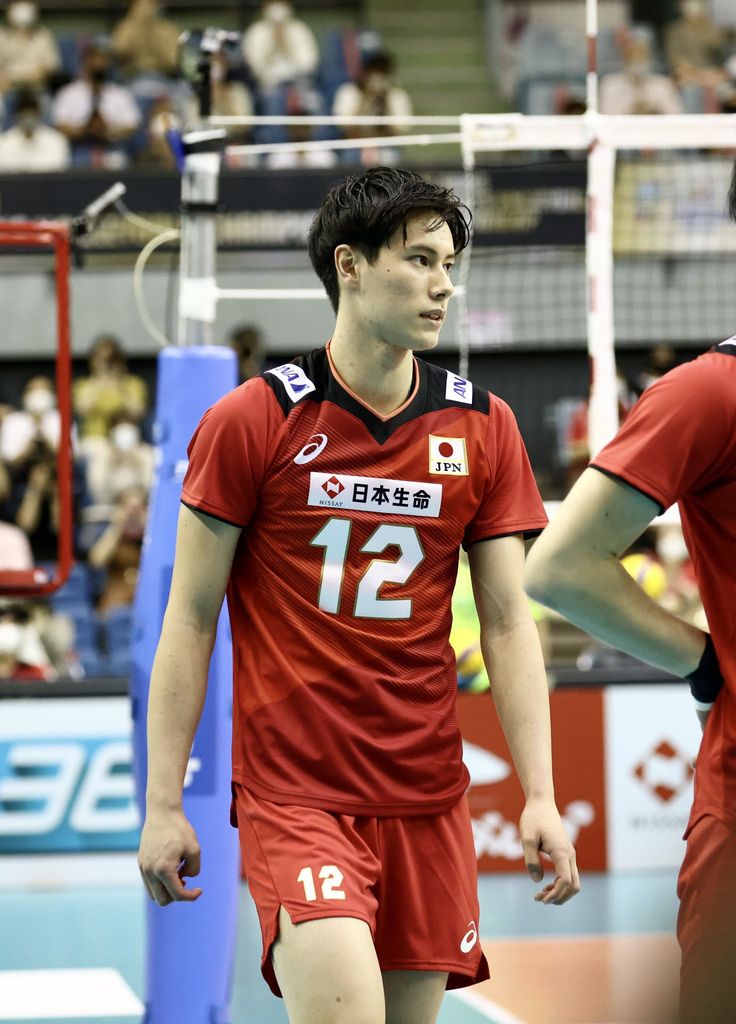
(346, 266)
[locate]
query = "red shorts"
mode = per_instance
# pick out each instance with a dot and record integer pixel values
(706, 924)
(412, 880)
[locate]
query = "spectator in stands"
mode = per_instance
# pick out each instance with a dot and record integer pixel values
(118, 550)
(21, 653)
(28, 441)
(695, 46)
(660, 360)
(300, 103)
(247, 342)
(28, 52)
(95, 114)
(657, 13)
(144, 43)
(37, 424)
(374, 93)
(162, 117)
(108, 390)
(32, 145)
(118, 462)
(637, 89)
(282, 54)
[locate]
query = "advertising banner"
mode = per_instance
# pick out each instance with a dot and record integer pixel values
(652, 739)
(66, 782)
(495, 796)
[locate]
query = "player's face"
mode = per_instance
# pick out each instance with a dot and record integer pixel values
(404, 294)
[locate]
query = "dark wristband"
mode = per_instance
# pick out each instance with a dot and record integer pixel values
(706, 680)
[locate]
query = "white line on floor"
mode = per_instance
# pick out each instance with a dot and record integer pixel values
(484, 1006)
(83, 992)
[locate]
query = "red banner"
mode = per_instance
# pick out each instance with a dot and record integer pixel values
(496, 799)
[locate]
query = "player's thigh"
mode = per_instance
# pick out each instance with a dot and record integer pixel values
(706, 926)
(328, 971)
(413, 997)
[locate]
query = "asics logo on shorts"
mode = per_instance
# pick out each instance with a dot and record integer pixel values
(314, 447)
(469, 939)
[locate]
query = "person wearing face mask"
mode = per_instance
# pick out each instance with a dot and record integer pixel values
(109, 390)
(22, 655)
(34, 428)
(118, 462)
(95, 114)
(28, 442)
(638, 89)
(373, 93)
(31, 145)
(282, 54)
(695, 46)
(28, 52)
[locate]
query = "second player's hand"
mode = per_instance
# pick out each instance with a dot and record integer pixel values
(168, 852)
(541, 830)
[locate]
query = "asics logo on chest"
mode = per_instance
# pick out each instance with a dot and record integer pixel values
(314, 447)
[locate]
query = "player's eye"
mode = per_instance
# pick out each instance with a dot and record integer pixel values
(449, 267)
(422, 259)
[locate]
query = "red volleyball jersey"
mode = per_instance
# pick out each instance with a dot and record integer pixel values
(339, 595)
(679, 445)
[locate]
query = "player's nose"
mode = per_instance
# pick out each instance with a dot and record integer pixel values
(442, 286)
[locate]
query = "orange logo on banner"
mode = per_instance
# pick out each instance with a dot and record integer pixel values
(495, 796)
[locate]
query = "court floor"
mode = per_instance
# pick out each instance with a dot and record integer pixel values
(609, 957)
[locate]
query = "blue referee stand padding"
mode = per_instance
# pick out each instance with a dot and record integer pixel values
(191, 946)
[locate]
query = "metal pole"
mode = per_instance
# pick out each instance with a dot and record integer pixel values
(199, 196)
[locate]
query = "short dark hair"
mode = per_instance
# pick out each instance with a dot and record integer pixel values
(365, 212)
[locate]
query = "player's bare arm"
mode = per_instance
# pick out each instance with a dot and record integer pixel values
(575, 568)
(204, 552)
(513, 657)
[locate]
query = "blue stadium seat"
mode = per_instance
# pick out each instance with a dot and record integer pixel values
(117, 630)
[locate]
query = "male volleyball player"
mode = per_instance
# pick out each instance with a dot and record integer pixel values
(329, 497)
(677, 445)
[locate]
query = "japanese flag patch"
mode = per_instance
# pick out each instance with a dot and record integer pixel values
(447, 456)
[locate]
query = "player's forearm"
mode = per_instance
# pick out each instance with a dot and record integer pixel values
(597, 594)
(515, 666)
(176, 698)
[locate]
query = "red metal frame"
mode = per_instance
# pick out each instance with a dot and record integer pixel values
(50, 235)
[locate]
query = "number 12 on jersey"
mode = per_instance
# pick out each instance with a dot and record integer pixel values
(334, 537)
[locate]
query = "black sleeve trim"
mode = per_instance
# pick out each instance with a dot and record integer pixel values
(623, 480)
(204, 512)
(526, 534)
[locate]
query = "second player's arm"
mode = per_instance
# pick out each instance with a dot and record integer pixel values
(513, 657)
(204, 552)
(575, 568)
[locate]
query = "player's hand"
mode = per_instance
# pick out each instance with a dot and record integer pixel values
(542, 831)
(168, 852)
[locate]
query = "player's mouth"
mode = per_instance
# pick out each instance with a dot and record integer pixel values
(436, 315)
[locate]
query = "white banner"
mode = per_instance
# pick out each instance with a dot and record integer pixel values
(652, 739)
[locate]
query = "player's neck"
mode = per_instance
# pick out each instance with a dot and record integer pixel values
(378, 373)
